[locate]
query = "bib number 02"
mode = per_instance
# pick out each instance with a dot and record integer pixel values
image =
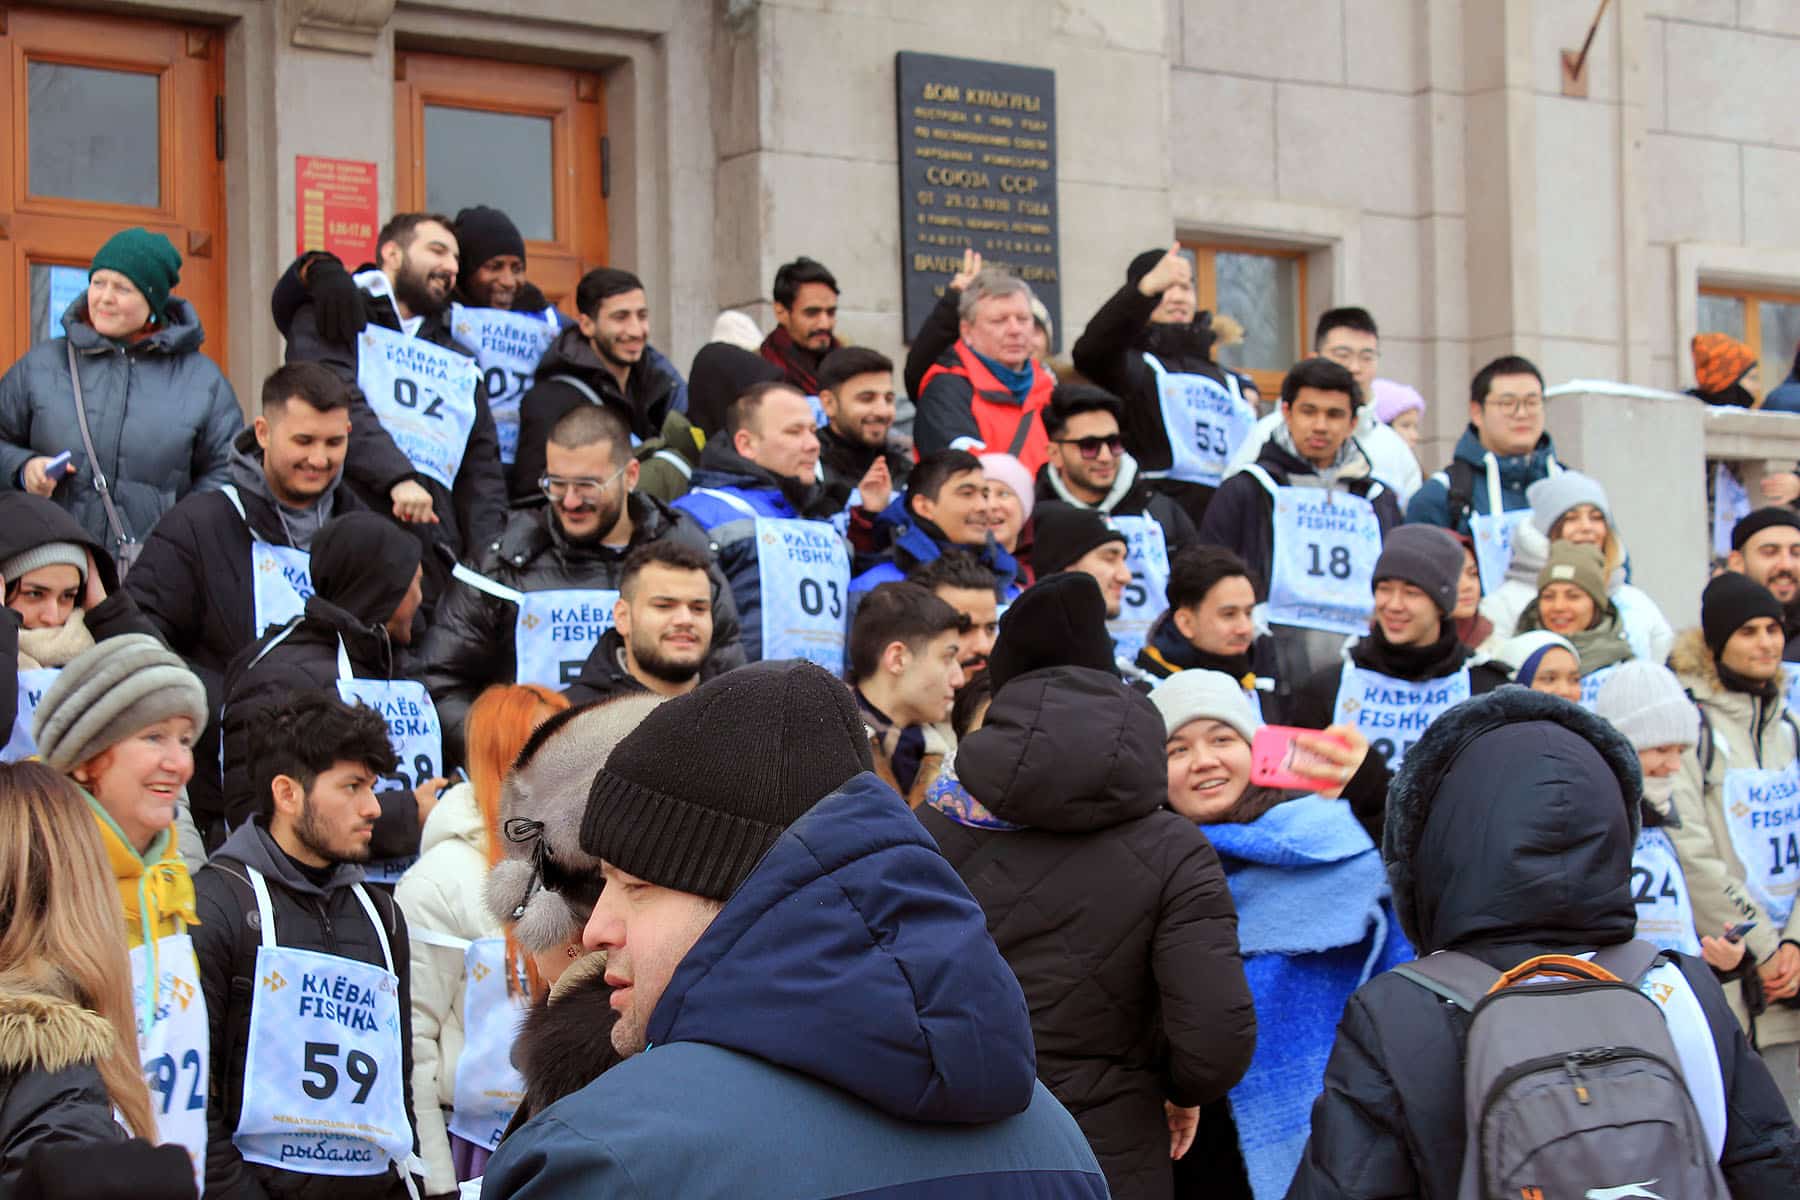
(360, 1068)
(1337, 563)
(406, 395)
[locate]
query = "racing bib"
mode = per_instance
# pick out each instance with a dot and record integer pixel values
(488, 1088)
(32, 686)
(1205, 421)
(413, 730)
(1393, 713)
(424, 396)
(555, 632)
(1493, 538)
(1326, 543)
(280, 576)
(1762, 815)
(1147, 554)
(507, 346)
(804, 580)
(1590, 685)
(174, 1043)
(1665, 916)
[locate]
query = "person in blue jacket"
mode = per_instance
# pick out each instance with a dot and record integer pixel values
(809, 1001)
(944, 511)
(1503, 451)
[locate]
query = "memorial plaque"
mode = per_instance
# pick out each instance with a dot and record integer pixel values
(977, 170)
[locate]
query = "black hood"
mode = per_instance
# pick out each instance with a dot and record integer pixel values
(364, 564)
(1068, 750)
(723, 372)
(28, 521)
(648, 392)
(1511, 824)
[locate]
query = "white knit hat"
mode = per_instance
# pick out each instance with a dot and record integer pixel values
(1204, 695)
(1555, 495)
(1521, 648)
(1646, 703)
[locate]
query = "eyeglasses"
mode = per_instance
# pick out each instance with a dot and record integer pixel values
(1090, 446)
(1344, 355)
(556, 487)
(1516, 406)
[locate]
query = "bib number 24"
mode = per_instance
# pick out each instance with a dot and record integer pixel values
(360, 1068)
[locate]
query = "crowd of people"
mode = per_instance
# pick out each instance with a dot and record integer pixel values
(525, 771)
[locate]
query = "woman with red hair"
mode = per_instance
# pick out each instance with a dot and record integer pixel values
(467, 992)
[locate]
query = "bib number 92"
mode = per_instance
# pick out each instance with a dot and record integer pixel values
(320, 1062)
(162, 1075)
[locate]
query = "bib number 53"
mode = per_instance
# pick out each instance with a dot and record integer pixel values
(359, 1066)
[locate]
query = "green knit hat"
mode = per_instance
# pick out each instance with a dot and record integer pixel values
(148, 259)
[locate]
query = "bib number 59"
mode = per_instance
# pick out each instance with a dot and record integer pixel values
(360, 1067)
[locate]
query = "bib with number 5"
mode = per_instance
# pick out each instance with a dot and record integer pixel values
(1762, 815)
(1146, 596)
(323, 1092)
(424, 396)
(1323, 558)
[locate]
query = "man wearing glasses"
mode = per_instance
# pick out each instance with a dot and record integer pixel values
(539, 598)
(1089, 468)
(1502, 453)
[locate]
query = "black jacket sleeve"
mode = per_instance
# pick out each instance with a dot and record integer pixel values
(1359, 1148)
(374, 463)
(1238, 519)
(469, 647)
(9, 670)
(944, 414)
(1104, 354)
(1761, 1158)
(228, 996)
(1179, 530)
(941, 327)
(162, 587)
(480, 492)
(118, 614)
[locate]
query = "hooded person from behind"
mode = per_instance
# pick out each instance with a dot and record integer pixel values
(1113, 911)
(1509, 835)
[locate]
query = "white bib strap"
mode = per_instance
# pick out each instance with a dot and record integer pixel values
(264, 910)
(443, 941)
(387, 951)
(482, 583)
(1263, 478)
(276, 641)
(729, 499)
(231, 493)
(675, 460)
(582, 387)
(343, 657)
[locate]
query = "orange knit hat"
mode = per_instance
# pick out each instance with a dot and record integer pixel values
(1720, 360)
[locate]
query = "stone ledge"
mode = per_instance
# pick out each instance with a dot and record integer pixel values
(344, 26)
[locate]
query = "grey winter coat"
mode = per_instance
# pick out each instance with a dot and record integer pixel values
(161, 413)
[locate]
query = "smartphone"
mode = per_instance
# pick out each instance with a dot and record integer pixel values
(1736, 932)
(1277, 760)
(57, 466)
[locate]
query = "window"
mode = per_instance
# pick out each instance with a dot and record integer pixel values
(1264, 291)
(1767, 322)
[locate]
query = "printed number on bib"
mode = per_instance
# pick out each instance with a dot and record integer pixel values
(1646, 890)
(1336, 563)
(817, 599)
(321, 1061)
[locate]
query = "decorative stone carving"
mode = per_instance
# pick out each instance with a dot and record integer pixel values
(347, 26)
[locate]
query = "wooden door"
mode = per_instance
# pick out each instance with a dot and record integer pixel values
(111, 122)
(525, 139)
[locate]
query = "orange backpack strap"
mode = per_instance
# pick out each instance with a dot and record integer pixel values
(1565, 965)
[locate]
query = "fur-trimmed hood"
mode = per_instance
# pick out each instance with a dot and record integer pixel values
(1693, 664)
(41, 1032)
(1512, 823)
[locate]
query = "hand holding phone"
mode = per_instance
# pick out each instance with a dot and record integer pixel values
(1736, 932)
(58, 466)
(1308, 760)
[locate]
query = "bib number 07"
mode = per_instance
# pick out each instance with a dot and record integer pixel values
(360, 1068)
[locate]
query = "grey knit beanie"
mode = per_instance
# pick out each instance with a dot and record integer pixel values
(50, 554)
(1646, 703)
(123, 685)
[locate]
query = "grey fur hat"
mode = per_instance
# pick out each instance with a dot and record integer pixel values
(104, 695)
(542, 801)
(1415, 787)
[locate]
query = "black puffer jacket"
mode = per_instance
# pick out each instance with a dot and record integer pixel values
(362, 567)
(644, 402)
(845, 462)
(1516, 845)
(326, 919)
(603, 676)
(50, 1089)
(1112, 911)
(470, 645)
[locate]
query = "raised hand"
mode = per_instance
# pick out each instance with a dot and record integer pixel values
(971, 267)
(1169, 270)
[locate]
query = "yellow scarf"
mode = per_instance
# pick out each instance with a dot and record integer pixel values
(155, 889)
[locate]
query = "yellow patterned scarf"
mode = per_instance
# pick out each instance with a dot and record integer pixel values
(155, 889)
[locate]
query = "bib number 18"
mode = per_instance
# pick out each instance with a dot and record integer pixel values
(1336, 564)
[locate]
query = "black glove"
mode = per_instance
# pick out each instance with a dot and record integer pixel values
(337, 303)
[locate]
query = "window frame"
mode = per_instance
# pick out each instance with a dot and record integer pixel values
(1206, 291)
(1752, 296)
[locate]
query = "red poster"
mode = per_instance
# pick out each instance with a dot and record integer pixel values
(337, 207)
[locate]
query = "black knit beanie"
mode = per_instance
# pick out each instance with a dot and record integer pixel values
(1056, 622)
(1763, 518)
(1731, 602)
(696, 795)
(483, 233)
(1141, 266)
(1063, 533)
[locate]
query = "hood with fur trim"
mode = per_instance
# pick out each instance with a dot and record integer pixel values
(1693, 664)
(44, 1033)
(1512, 823)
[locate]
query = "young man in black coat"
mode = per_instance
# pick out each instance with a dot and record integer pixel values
(1509, 835)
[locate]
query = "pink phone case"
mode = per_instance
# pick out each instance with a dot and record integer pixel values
(1275, 761)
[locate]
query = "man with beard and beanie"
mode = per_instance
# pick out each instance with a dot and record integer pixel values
(1765, 547)
(1733, 802)
(806, 305)
(1210, 625)
(770, 525)
(306, 973)
(1089, 468)
(1308, 519)
(1112, 910)
(222, 567)
(422, 440)
(536, 602)
(662, 626)
(1150, 345)
(1405, 672)
(759, 875)
(945, 512)
(598, 360)
(856, 390)
(968, 587)
(1509, 836)
(351, 640)
(906, 668)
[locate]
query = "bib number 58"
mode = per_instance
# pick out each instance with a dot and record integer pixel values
(360, 1068)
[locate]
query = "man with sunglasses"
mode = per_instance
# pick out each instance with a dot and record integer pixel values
(535, 602)
(1089, 468)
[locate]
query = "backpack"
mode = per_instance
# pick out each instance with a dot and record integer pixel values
(1459, 480)
(1571, 1089)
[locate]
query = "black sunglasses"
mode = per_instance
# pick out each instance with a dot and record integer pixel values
(1090, 446)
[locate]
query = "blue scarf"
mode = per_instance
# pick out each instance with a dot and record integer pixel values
(1314, 924)
(1017, 382)
(948, 796)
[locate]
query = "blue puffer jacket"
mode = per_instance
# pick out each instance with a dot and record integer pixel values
(1430, 505)
(844, 1027)
(161, 414)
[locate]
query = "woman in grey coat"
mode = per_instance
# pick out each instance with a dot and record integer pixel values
(160, 413)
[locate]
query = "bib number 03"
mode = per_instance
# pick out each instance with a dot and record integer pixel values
(320, 1061)
(819, 599)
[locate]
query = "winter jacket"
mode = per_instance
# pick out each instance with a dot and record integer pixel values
(329, 920)
(195, 583)
(1112, 910)
(915, 541)
(1131, 495)
(571, 374)
(50, 1089)
(1503, 864)
(1165, 652)
(161, 414)
(565, 1041)
(1315, 703)
(845, 462)
(28, 521)
(1391, 460)
(962, 398)
(1642, 621)
(1430, 505)
(441, 894)
(1747, 731)
(470, 513)
(603, 676)
(666, 462)
(919, 1081)
(471, 644)
(731, 537)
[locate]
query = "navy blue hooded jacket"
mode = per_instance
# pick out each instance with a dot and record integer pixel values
(844, 1027)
